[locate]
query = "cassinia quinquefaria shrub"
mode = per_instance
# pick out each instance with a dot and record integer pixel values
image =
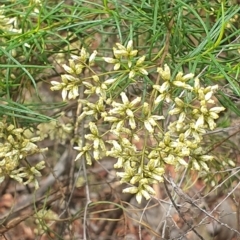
(165, 140)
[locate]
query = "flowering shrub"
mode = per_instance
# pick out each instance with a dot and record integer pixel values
(137, 106)
(166, 140)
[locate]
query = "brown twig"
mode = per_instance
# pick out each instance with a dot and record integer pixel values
(179, 212)
(220, 143)
(165, 52)
(187, 199)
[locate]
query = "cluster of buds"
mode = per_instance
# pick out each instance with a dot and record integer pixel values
(71, 81)
(15, 148)
(125, 59)
(140, 143)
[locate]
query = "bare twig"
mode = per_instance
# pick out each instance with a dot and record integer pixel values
(225, 180)
(209, 214)
(141, 218)
(187, 199)
(170, 207)
(221, 142)
(179, 212)
(221, 130)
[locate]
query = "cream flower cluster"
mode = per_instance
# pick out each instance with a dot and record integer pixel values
(135, 133)
(15, 147)
(125, 58)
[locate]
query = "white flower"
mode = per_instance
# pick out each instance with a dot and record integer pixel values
(93, 56)
(165, 73)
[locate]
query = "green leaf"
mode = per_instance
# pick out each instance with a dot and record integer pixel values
(13, 109)
(227, 103)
